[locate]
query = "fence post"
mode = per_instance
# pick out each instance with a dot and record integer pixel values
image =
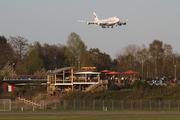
(45, 104)
(131, 104)
(150, 104)
(55, 103)
(74, 104)
(178, 104)
(33, 108)
(93, 104)
(103, 103)
(16, 104)
(4, 104)
(169, 104)
(35, 105)
(122, 104)
(141, 104)
(64, 104)
(84, 104)
(159, 105)
(9, 104)
(112, 105)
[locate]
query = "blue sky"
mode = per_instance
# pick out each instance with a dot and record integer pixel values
(52, 21)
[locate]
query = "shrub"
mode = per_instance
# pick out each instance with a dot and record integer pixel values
(154, 86)
(114, 87)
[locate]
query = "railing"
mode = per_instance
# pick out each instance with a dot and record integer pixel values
(76, 80)
(83, 80)
(26, 77)
(63, 81)
(103, 81)
(29, 102)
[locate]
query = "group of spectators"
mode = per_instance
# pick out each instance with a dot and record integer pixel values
(116, 79)
(121, 80)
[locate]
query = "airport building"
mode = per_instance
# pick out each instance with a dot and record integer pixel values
(63, 79)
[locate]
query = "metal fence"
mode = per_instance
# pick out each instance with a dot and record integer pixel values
(95, 105)
(5, 104)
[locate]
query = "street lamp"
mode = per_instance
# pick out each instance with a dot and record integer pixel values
(175, 71)
(170, 80)
(79, 65)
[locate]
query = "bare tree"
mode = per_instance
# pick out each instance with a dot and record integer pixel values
(127, 58)
(142, 57)
(156, 52)
(167, 56)
(20, 45)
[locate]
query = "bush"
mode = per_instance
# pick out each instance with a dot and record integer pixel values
(154, 86)
(141, 85)
(114, 87)
(136, 84)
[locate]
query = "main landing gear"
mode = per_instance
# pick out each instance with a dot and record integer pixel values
(106, 26)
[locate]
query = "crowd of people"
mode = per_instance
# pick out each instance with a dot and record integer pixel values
(116, 79)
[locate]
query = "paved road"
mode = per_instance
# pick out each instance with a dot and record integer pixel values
(89, 113)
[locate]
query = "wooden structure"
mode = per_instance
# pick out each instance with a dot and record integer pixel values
(65, 79)
(60, 77)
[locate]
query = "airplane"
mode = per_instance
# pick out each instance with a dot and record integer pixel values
(105, 22)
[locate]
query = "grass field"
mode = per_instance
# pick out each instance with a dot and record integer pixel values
(56, 115)
(90, 117)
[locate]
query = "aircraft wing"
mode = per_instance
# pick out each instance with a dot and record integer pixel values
(87, 22)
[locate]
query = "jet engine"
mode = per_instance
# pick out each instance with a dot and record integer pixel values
(98, 23)
(124, 23)
(88, 23)
(119, 23)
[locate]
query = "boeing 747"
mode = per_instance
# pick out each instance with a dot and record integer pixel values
(105, 23)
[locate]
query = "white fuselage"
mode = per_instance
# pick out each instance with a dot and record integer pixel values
(108, 22)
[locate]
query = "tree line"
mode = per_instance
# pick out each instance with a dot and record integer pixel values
(17, 56)
(29, 59)
(157, 61)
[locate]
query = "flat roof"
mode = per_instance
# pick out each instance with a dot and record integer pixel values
(60, 70)
(86, 72)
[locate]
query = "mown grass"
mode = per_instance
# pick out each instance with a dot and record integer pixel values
(91, 117)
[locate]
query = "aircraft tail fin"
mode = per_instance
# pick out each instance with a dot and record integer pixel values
(95, 17)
